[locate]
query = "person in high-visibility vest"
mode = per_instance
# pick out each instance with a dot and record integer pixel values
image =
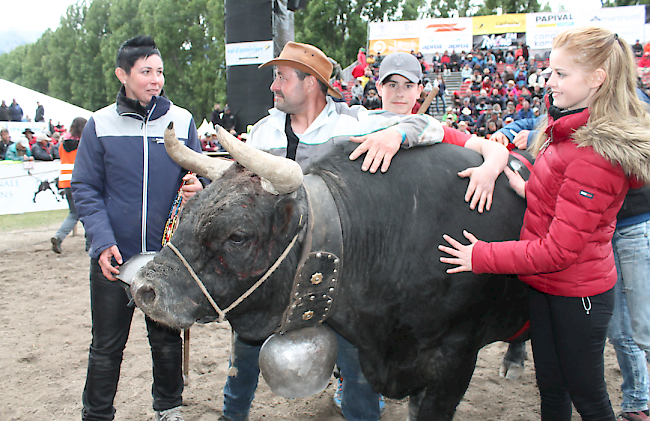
(67, 153)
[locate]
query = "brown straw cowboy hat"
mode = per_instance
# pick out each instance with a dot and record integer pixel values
(308, 59)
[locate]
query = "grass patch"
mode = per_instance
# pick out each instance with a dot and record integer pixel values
(31, 220)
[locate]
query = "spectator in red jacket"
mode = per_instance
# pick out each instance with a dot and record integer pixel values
(592, 150)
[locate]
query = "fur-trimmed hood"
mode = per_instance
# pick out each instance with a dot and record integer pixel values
(626, 145)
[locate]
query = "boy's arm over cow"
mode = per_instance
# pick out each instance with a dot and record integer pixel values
(388, 132)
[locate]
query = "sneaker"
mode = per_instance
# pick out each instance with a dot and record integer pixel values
(56, 245)
(339, 391)
(172, 414)
(225, 418)
(632, 416)
(337, 395)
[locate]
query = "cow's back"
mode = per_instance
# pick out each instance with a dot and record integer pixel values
(396, 302)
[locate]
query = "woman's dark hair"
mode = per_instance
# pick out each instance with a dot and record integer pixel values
(142, 46)
(77, 127)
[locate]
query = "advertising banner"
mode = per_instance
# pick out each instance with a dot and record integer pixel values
(387, 46)
(499, 41)
(439, 35)
(242, 53)
(500, 31)
(30, 187)
(542, 28)
(499, 24)
(627, 21)
(426, 36)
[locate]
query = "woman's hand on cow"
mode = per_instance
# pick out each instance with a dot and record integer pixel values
(481, 186)
(379, 147)
(105, 262)
(517, 182)
(462, 254)
(191, 185)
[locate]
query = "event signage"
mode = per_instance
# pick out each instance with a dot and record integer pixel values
(244, 53)
(30, 187)
(499, 24)
(500, 31)
(426, 36)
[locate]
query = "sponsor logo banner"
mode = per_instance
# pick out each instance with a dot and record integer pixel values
(499, 24)
(243, 53)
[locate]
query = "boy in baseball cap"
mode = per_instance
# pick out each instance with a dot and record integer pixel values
(400, 85)
(400, 82)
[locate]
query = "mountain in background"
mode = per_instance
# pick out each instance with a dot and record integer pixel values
(12, 38)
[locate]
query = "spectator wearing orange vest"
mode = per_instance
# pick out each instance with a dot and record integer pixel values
(68, 153)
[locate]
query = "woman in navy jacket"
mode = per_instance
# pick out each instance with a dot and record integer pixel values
(123, 185)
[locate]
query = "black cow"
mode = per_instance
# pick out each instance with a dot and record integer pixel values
(418, 330)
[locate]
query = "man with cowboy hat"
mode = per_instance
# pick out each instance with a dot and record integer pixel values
(304, 125)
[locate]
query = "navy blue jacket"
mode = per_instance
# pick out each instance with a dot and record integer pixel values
(124, 183)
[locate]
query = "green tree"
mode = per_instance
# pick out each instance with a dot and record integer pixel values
(613, 3)
(33, 74)
(86, 70)
(123, 24)
(11, 64)
(411, 9)
(340, 27)
(190, 39)
(449, 8)
(493, 7)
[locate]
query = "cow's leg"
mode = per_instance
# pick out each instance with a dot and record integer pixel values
(444, 394)
(414, 406)
(512, 364)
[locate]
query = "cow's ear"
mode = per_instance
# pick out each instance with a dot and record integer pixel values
(286, 210)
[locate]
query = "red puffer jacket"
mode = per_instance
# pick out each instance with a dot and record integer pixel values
(573, 196)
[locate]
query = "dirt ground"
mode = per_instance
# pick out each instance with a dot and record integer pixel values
(45, 334)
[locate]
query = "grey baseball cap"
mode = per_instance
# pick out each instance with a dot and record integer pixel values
(403, 64)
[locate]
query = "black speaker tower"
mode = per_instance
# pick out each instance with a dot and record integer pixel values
(248, 86)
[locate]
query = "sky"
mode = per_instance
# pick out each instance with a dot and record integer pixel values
(37, 15)
(40, 15)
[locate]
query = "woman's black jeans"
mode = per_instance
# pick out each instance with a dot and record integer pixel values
(568, 339)
(111, 322)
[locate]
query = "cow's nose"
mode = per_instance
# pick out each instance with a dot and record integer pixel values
(146, 294)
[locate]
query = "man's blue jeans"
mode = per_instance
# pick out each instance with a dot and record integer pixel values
(359, 402)
(632, 248)
(632, 253)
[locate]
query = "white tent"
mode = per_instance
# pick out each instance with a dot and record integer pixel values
(205, 128)
(55, 109)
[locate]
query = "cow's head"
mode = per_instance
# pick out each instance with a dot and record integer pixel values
(230, 234)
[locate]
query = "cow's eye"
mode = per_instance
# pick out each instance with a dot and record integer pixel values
(237, 238)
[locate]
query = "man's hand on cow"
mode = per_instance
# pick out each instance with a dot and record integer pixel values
(500, 138)
(481, 187)
(105, 262)
(191, 185)
(517, 182)
(521, 139)
(379, 147)
(462, 253)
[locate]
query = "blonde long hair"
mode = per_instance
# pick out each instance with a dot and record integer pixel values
(592, 48)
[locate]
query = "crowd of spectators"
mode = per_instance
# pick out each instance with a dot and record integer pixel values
(30, 146)
(14, 112)
(488, 98)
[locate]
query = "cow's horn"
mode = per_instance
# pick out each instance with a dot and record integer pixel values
(203, 165)
(285, 175)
